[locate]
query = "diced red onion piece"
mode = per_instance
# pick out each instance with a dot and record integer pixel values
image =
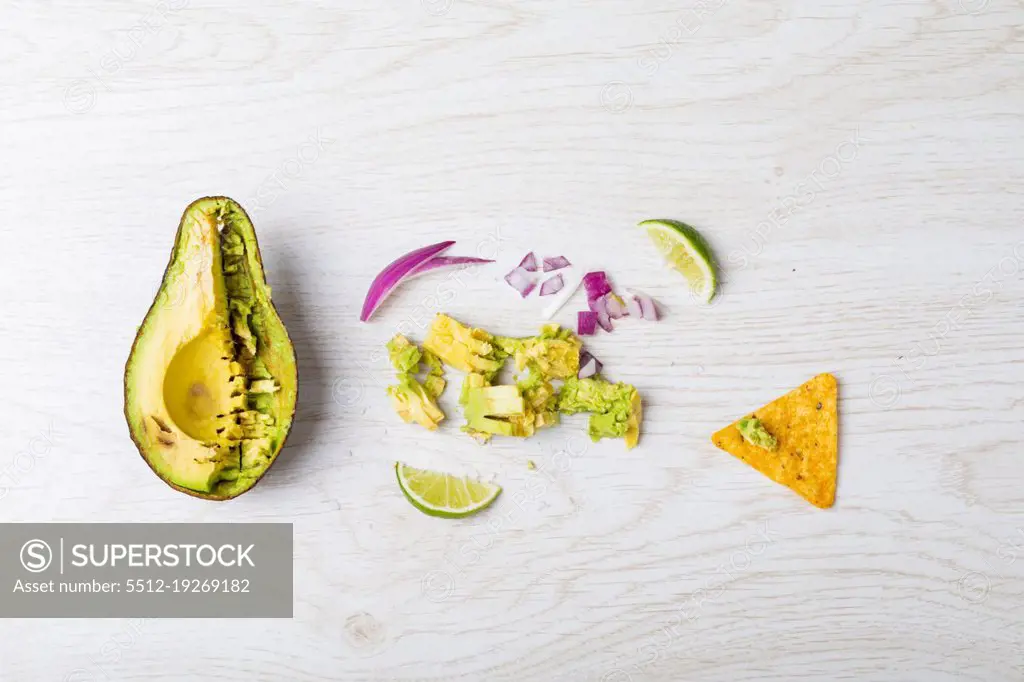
(596, 284)
(529, 262)
(600, 306)
(552, 286)
(616, 308)
(588, 370)
(586, 323)
(633, 307)
(522, 281)
(556, 263)
(647, 306)
(589, 365)
(396, 272)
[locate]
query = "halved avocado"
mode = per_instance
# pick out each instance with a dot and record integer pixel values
(211, 382)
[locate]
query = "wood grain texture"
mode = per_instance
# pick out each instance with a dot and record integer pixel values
(854, 163)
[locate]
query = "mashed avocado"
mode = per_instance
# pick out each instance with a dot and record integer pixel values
(753, 432)
(616, 410)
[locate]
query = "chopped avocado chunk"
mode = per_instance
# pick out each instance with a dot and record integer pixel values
(541, 400)
(554, 353)
(472, 381)
(591, 395)
(607, 425)
(434, 365)
(405, 356)
(506, 345)
(211, 382)
(754, 432)
(495, 401)
(553, 358)
(616, 408)
(469, 350)
(496, 410)
(435, 386)
(414, 403)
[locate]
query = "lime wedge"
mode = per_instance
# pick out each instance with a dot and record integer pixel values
(444, 495)
(686, 251)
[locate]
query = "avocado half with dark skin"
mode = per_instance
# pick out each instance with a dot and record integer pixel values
(211, 382)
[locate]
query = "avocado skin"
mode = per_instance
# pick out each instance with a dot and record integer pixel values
(164, 281)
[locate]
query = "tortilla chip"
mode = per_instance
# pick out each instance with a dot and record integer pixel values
(806, 424)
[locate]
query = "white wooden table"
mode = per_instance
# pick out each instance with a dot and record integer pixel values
(856, 165)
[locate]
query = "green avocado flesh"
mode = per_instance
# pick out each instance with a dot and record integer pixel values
(211, 382)
(753, 431)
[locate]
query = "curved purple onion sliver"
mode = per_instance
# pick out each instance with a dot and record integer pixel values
(393, 275)
(447, 261)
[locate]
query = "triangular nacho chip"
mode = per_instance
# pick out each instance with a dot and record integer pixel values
(806, 424)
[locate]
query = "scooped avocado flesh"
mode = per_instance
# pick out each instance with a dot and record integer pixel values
(211, 383)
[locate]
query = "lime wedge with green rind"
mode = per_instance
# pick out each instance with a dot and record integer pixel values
(686, 251)
(444, 495)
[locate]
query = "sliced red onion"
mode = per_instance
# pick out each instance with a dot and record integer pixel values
(616, 307)
(556, 263)
(552, 286)
(445, 261)
(393, 275)
(648, 307)
(633, 307)
(589, 365)
(586, 323)
(596, 284)
(529, 262)
(522, 281)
